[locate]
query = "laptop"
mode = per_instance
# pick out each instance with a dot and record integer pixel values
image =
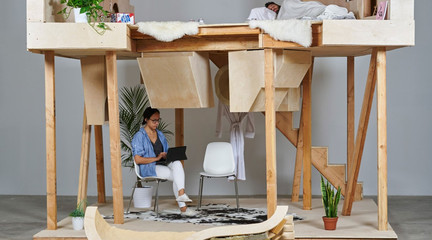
(175, 153)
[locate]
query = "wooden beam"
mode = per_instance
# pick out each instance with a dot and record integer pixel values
(350, 111)
(382, 139)
(100, 169)
(186, 44)
(270, 123)
(179, 128)
(299, 154)
(50, 128)
(307, 140)
(361, 136)
(84, 162)
(298, 164)
(114, 127)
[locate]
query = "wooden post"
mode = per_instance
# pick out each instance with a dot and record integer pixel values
(350, 112)
(50, 128)
(179, 128)
(100, 171)
(298, 164)
(307, 140)
(382, 139)
(84, 162)
(270, 123)
(361, 136)
(114, 126)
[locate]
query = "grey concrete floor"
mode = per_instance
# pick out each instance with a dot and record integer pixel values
(24, 216)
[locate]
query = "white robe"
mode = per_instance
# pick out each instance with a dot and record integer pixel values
(237, 135)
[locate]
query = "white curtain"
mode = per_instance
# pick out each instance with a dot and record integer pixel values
(237, 134)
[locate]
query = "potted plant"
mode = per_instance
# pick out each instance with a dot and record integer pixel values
(78, 216)
(133, 102)
(91, 8)
(330, 201)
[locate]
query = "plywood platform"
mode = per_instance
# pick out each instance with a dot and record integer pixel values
(362, 224)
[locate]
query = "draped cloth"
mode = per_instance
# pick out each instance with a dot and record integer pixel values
(237, 135)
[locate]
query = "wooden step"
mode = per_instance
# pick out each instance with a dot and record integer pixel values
(334, 173)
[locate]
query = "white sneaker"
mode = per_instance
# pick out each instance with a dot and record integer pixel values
(183, 198)
(189, 212)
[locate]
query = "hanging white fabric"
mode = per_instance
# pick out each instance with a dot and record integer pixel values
(237, 135)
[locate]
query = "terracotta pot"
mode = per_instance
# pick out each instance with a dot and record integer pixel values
(330, 223)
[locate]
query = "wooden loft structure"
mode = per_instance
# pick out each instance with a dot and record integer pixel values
(227, 44)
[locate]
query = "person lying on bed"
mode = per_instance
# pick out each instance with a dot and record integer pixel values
(269, 12)
(149, 145)
(312, 10)
(297, 9)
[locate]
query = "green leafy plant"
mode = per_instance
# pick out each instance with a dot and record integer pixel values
(330, 199)
(79, 210)
(91, 8)
(133, 102)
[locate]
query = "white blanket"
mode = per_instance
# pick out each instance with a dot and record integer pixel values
(262, 13)
(168, 31)
(298, 31)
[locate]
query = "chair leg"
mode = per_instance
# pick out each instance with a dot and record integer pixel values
(156, 206)
(236, 192)
(130, 201)
(200, 191)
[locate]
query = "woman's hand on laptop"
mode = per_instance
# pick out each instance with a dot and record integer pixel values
(162, 155)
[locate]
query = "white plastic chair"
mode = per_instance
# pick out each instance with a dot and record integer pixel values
(147, 180)
(218, 163)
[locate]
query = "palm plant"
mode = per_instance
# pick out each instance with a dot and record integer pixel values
(133, 102)
(330, 199)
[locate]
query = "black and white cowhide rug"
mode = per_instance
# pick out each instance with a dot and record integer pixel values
(212, 214)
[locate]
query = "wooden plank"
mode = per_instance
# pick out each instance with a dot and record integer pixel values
(279, 228)
(84, 161)
(185, 75)
(368, 32)
(382, 139)
(350, 111)
(94, 84)
(50, 128)
(100, 169)
(307, 140)
(199, 44)
(114, 127)
(361, 136)
(96, 227)
(270, 125)
(77, 36)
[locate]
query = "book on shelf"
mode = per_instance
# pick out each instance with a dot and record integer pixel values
(382, 10)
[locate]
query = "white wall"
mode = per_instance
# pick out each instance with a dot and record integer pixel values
(22, 118)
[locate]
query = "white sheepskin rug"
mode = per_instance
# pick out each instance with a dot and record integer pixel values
(298, 31)
(168, 31)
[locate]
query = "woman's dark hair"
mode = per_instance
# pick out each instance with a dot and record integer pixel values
(148, 112)
(268, 3)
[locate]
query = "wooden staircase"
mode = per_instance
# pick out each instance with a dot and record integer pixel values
(334, 173)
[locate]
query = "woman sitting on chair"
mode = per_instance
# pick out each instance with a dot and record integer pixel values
(149, 147)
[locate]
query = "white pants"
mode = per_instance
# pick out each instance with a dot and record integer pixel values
(173, 172)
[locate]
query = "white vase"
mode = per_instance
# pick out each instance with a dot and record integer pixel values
(77, 223)
(143, 197)
(79, 17)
